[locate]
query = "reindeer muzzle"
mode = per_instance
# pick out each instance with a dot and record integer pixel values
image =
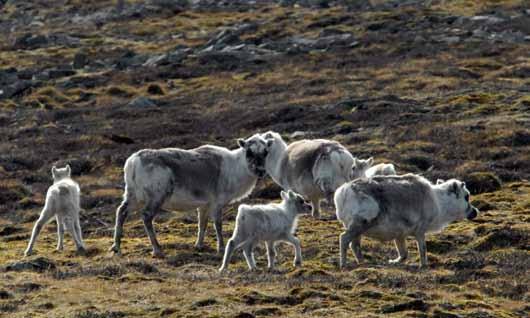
(472, 212)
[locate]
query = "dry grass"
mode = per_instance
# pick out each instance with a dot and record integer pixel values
(452, 108)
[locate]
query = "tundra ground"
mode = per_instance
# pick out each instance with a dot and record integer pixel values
(440, 89)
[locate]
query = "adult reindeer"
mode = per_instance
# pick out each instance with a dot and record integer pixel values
(206, 178)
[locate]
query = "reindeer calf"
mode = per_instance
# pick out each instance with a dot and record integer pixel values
(62, 201)
(270, 223)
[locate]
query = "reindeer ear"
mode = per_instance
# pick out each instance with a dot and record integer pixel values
(268, 135)
(270, 142)
(440, 181)
(54, 170)
(454, 189)
(370, 161)
(355, 162)
(241, 142)
(68, 169)
(284, 195)
(291, 194)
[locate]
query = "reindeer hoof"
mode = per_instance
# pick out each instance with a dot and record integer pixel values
(115, 250)
(158, 254)
(81, 251)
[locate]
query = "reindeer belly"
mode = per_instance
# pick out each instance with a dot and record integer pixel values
(186, 199)
(391, 227)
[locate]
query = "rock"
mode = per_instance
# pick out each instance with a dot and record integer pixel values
(142, 102)
(84, 81)
(156, 60)
(448, 39)
(228, 60)
(30, 41)
(300, 134)
(39, 264)
(175, 6)
(80, 60)
(58, 73)
(130, 59)
(301, 44)
(487, 19)
(8, 76)
(15, 89)
(244, 315)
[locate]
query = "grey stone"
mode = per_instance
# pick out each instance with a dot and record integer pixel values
(80, 60)
(142, 102)
(39, 264)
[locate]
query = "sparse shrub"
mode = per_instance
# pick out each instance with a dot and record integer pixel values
(480, 182)
(422, 162)
(9, 306)
(120, 91)
(79, 166)
(12, 192)
(204, 302)
(501, 238)
(96, 314)
(483, 206)
(470, 167)
(155, 89)
(520, 138)
(143, 267)
(5, 294)
(39, 264)
(268, 311)
(416, 304)
(271, 191)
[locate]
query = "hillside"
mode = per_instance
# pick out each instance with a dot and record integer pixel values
(441, 88)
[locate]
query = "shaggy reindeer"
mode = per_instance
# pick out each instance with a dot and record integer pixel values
(312, 168)
(269, 223)
(364, 169)
(206, 178)
(395, 207)
(62, 201)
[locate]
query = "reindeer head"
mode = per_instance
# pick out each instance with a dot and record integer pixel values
(256, 151)
(61, 173)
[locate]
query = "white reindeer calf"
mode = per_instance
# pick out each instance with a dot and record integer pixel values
(62, 201)
(364, 169)
(270, 223)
